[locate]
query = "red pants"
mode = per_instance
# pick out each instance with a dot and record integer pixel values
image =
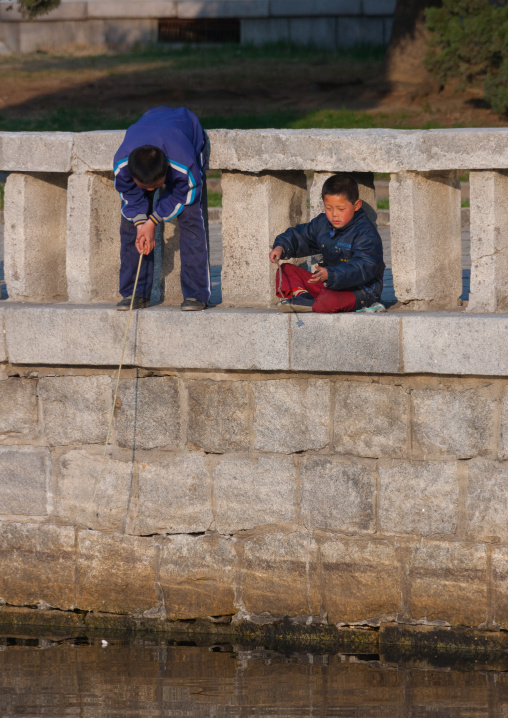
(327, 300)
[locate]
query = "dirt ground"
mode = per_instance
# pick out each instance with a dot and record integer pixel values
(226, 87)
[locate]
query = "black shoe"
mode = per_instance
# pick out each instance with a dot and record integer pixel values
(139, 303)
(302, 303)
(192, 305)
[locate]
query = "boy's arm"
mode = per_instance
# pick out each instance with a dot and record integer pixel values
(298, 241)
(134, 201)
(186, 185)
(366, 257)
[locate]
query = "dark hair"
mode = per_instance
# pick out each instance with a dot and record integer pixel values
(147, 164)
(341, 184)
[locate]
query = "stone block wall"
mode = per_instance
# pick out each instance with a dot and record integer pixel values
(339, 498)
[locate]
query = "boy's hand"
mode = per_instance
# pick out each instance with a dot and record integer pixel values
(145, 239)
(320, 276)
(275, 255)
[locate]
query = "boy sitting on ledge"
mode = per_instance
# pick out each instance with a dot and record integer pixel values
(350, 277)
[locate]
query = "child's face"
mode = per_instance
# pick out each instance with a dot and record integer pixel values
(153, 186)
(339, 210)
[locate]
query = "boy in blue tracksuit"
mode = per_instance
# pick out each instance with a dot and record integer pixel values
(350, 277)
(165, 149)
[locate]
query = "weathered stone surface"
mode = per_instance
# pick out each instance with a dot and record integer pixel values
(116, 573)
(371, 420)
(93, 218)
(451, 422)
(487, 500)
(149, 8)
(54, 335)
(215, 339)
(149, 413)
(249, 493)
(175, 496)
(361, 580)
(337, 495)
(346, 343)
(94, 151)
(35, 151)
(489, 242)
(448, 581)
(503, 452)
(372, 150)
(419, 498)
(197, 575)
(425, 232)
(288, 8)
(455, 344)
(255, 209)
(19, 406)
(222, 8)
(34, 236)
(77, 483)
(291, 415)
(24, 473)
(280, 575)
(500, 585)
(37, 564)
(3, 342)
(218, 416)
(75, 409)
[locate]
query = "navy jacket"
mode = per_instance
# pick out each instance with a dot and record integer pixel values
(179, 134)
(353, 254)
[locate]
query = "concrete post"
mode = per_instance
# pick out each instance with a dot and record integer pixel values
(170, 276)
(365, 186)
(425, 239)
(489, 241)
(256, 207)
(93, 238)
(34, 243)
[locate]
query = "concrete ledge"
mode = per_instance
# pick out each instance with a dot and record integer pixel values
(215, 339)
(376, 150)
(256, 339)
(36, 151)
(346, 343)
(455, 344)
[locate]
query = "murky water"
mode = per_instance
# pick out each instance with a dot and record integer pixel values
(148, 677)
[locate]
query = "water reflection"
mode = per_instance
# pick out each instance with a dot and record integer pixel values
(144, 677)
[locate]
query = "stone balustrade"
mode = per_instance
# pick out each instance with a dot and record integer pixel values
(61, 210)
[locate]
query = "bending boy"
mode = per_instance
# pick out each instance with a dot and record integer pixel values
(350, 277)
(165, 149)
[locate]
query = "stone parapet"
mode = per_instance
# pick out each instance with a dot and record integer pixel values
(264, 191)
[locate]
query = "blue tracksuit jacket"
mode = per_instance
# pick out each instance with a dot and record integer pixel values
(353, 254)
(179, 134)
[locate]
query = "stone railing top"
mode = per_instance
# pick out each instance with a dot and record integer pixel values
(375, 150)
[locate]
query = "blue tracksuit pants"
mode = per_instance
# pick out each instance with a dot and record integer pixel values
(195, 272)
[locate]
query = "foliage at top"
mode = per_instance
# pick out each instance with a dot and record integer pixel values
(469, 41)
(33, 8)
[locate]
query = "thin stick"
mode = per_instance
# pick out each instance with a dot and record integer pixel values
(118, 379)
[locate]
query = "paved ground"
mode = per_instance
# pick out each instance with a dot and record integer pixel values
(216, 263)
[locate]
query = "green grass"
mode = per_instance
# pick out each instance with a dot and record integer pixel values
(464, 203)
(2, 191)
(215, 199)
(383, 204)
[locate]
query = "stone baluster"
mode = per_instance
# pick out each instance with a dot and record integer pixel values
(426, 239)
(93, 238)
(34, 244)
(489, 241)
(256, 207)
